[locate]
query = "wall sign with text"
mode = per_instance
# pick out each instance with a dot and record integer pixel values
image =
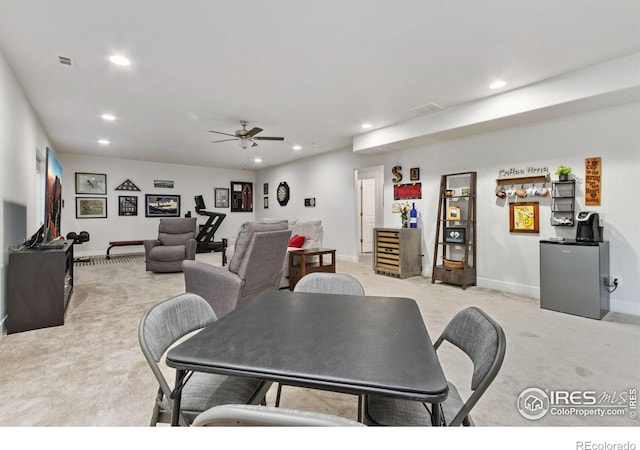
(592, 181)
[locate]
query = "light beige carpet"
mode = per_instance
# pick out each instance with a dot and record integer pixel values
(90, 372)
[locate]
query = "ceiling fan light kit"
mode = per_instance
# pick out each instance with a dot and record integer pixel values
(246, 137)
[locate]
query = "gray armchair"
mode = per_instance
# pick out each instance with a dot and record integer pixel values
(256, 266)
(176, 242)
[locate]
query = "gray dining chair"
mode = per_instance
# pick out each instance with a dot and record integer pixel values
(325, 283)
(162, 326)
(482, 339)
(329, 283)
(268, 416)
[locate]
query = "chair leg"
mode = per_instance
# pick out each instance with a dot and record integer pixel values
(278, 393)
(156, 408)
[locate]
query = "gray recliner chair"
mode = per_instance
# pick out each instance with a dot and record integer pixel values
(256, 266)
(176, 242)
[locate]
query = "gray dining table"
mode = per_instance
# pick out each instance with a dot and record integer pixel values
(358, 345)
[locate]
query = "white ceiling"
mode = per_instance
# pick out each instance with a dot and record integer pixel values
(311, 71)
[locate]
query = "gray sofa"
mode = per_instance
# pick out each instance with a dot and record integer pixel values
(310, 229)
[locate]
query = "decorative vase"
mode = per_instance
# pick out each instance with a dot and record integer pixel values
(405, 221)
(413, 222)
(563, 177)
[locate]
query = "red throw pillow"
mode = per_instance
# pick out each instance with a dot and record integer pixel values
(296, 241)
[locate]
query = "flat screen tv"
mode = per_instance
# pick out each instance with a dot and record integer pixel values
(52, 198)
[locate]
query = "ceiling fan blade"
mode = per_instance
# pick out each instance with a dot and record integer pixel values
(220, 132)
(252, 132)
(224, 140)
(269, 138)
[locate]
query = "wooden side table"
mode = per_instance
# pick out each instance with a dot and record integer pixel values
(301, 262)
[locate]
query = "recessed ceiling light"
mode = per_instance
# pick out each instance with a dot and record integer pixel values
(104, 142)
(257, 160)
(119, 60)
(497, 84)
(109, 117)
(297, 147)
(366, 125)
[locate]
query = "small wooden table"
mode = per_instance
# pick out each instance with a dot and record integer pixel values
(305, 264)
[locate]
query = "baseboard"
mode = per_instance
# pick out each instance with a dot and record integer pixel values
(624, 307)
(513, 288)
(3, 326)
(347, 258)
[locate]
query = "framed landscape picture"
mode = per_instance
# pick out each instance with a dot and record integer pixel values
(91, 183)
(91, 207)
(162, 205)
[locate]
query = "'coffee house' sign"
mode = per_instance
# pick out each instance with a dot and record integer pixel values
(528, 171)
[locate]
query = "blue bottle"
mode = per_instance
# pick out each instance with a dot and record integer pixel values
(413, 216)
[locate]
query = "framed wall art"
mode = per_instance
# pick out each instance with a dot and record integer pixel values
(241, 196)
(127, 205)
(265, 188)
(162, 205)
(414, 173)
(453, 213)
(163, 184)
(524, 217)
(91, 207)
(91, 183)
(407, 191)
(221, 196)
(454, 235)
(265, 204)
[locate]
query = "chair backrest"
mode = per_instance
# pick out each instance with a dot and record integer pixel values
(329, 283)
(261, 266)
(176, 231)
(268, 416)
(163, 324)
(484, 341)
(245, 236)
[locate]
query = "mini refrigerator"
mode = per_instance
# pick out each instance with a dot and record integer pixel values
(574, 277)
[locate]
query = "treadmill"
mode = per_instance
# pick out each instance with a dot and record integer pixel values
(206, 240)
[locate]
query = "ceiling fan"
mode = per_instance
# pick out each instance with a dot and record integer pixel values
(246, 137)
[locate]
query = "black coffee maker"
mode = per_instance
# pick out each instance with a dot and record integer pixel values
(589, 229)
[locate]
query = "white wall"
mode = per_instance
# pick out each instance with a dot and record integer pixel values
(506, 261)
(189, 181)
(20, 135)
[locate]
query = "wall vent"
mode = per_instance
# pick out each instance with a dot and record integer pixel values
(428, 108)
(66, 62)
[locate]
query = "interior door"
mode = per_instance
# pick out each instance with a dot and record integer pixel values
(368, 213)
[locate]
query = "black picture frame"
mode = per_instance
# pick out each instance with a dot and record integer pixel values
(91, 183)
(414, 173)
(455, 235)
(127, 205)
(158, 205)
(241, 196)
(221, 197)
(91, 207)
(265, 188)
(266, 203)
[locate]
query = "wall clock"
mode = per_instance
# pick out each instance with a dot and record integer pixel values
(283, 193)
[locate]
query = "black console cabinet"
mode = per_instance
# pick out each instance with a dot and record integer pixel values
(39, 286)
